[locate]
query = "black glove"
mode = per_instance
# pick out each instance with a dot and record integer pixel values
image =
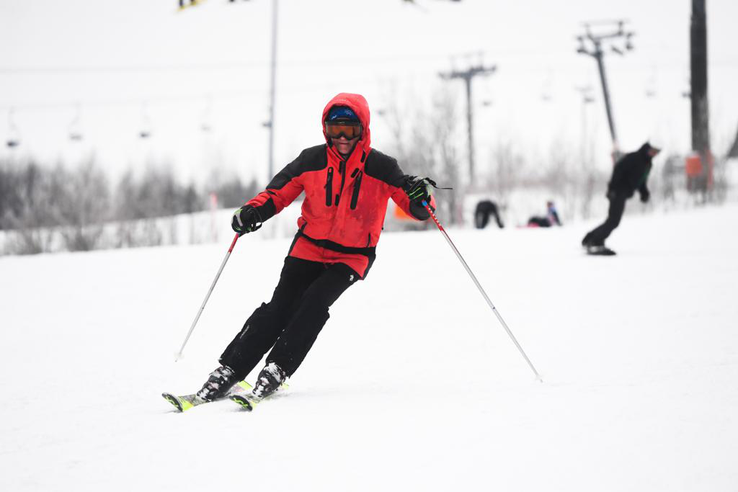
(611, 195)
(246, 219)
(418, 189)
(645, 196)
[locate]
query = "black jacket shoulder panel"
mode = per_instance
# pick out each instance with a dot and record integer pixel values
(310, 159)
(384, 168)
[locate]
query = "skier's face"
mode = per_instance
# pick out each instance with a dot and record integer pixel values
(343, 145)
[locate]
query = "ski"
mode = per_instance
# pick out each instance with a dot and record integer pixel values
(185, 402)
(248, 401)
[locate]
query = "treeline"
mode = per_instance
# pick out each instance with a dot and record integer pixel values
(50, 208)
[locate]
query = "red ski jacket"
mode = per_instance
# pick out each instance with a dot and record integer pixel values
(345, 199)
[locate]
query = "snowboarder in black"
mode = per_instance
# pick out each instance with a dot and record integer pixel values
(629, 174)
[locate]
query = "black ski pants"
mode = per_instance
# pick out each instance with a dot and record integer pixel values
(597, 236)
(292, 320)
(539, 221)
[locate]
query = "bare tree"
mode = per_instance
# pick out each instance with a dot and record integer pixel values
(426, 143)
(32, 213)
(83, 204)
(8, 194)
(445, 130)
(140, 203)
(137, 204)
(230, 190)
(507, 171)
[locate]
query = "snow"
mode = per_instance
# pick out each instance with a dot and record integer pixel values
(413, 384)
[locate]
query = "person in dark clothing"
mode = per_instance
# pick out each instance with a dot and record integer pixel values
(347, 185)
(551, 219)
(629, 174)
(482, 213)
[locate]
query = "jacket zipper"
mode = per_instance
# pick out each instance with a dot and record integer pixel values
(329, 188)
(342, 171)
(355, 194)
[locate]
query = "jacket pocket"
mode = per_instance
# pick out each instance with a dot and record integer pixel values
(355, 193)
(329, 188)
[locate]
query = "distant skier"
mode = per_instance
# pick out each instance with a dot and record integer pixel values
(347, 185)
(482, 213)
(629, 174)
(551, 219)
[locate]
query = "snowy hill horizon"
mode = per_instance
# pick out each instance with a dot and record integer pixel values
(407, 388)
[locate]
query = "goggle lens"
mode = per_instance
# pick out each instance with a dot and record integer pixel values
(349, 130)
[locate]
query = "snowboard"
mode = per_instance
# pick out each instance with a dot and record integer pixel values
(600, 251)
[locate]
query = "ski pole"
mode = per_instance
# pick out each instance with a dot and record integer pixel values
(178, 355)
(481, 290)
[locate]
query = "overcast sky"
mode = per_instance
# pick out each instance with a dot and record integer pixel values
(111, 69)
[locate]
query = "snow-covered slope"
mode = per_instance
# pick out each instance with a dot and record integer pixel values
(412, 385)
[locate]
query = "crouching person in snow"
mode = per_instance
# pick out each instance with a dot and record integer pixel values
(347, 185)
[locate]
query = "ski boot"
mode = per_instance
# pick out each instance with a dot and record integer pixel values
(218, 384)
(268, 381)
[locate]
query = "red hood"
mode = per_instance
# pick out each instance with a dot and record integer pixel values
(359, 106)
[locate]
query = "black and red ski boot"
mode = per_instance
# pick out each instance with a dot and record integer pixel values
(218, 384)
(269, 380)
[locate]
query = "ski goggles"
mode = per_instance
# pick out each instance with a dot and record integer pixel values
(348, 129)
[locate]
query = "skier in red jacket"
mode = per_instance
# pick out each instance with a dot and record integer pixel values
(347, 185)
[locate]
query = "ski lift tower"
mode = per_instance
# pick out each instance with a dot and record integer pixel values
(591, 43)
(699, 98)
(467, 76)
